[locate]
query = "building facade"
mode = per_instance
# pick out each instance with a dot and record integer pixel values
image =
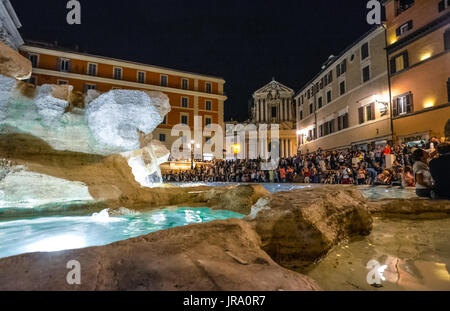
(190, 94)
(9, 25)
(347, 103)
(418, 34)
(273, 104)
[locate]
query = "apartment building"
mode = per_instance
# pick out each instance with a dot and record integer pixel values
(190, 94)
(347, 103)
(418, 34)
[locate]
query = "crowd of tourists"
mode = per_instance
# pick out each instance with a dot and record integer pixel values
(425, 167)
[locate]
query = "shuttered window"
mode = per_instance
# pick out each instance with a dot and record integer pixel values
(366, 74)
(64, 65)
(365, 51)
(443, 5)
(361, 115)
(403, 104)
(399, 62)
(447, 39)
(342, 87)
(404, 28)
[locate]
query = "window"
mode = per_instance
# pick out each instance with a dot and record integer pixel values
(447, 39)
(141, 77)
(404, 28)
(366, 113)
(366, 74)
(88, 87)
(33, 59)
(327, 128)
(443, 5)
(403, 5)
(301, 114)
(328, 78)
(162, 137)
(92, 69)
(341, 68)
(274, 112)
(118, 73)
(342, 121)
(320, 102)
(403, 104)
(184, 102)
(64, 65)
(184, 119)
(365, 51)
(208, 105)
(207, 121)
(399, 62)
(164, 120)
(342, 88)
(62, 82)
(184, 84)
(370, 112)
(448, 89)
(208, 87)
(163, 80)
(310, 108)
(329, 97)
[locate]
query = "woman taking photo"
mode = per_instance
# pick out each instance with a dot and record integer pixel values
(422, 174)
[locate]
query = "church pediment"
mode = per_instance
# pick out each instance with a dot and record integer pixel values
(274, 90)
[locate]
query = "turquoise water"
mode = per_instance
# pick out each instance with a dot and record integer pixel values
(47, 234)
(369, 192)
(273, 188)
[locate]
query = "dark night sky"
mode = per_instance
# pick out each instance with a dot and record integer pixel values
(247, 42)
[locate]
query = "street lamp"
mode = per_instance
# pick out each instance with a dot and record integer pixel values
(192, 154)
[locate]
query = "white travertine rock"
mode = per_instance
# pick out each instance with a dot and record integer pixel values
(6, 86)
(23, 189)
(50, 108)
(109, 125)
(115, 118)
(146, 161)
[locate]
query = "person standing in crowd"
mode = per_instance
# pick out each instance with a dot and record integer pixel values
(440, 172)
(422, 174)
(306, 174)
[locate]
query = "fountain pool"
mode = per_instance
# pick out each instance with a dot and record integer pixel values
(416, 255)
(47, 234)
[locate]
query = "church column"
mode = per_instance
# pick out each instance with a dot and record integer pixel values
(266, 107)
(258, 110)
(288, 117)
(286, 104)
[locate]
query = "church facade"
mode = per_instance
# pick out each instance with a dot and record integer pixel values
(274, 104)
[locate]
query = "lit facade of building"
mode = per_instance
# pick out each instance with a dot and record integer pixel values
(347, 103)
(273, 104)
(418, 34)
(190, 94)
